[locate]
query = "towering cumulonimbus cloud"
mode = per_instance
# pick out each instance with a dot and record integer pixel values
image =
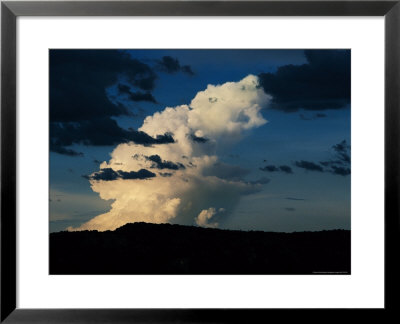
(190, 187)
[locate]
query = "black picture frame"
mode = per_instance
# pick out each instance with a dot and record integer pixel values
(10, 10)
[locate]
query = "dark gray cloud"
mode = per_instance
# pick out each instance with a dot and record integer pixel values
(80, 110)
(57, 147)
(108, 174)
(165, 174)
(290, 209)
(226, 171)
(272, 168)
(310, 166)
(332, 162)
(158, 163)
(312, 117)
(293, 198)
(286, 169)
(198, 139)
(341, 164)
(87, 133)
(78, 79)
(342, 150)
(171, 65)
(343, 171)
(187, 69)
(126, 90)
(322, 83)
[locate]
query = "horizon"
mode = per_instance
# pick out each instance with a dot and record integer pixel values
(200, 227)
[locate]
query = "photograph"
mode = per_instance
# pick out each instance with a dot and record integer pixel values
(199, 161)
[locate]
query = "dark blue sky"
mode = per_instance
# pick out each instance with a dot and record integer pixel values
(299, 159)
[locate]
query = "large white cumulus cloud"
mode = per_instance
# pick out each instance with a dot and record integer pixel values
(189, 185)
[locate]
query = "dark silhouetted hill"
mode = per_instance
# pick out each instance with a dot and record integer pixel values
(142, 248)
